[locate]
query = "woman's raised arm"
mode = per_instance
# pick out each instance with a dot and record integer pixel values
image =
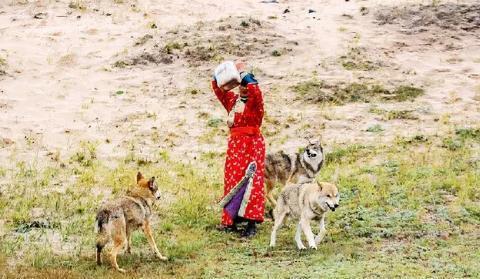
(255, 96)
(226, 98)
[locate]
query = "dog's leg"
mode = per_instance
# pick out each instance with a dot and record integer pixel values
(101, 242)
(298, 238)
(129, 241)
(148, 232)
(99, 254)
(269, 187)
(307, 230)
(278, 217)
(118, 242)
(322, 232)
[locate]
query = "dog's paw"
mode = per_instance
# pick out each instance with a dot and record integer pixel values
(121, 270)
(313, 247)
(162, 258)
(318, 240)
(301, 247)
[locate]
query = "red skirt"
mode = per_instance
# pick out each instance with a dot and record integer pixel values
(243, 149)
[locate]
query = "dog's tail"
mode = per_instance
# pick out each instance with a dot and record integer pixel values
(101, 220)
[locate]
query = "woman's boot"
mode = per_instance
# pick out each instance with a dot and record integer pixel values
(251, 229)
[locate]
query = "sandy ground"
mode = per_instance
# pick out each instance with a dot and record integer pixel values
(61, 87)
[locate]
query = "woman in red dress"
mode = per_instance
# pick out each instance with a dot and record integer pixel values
(245, 145)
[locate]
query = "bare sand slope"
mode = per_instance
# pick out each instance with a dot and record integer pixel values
(135, 74)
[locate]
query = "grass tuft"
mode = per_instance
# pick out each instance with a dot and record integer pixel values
(394, 114)
(355, 59)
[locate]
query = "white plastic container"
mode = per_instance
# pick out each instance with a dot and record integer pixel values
(227, 75)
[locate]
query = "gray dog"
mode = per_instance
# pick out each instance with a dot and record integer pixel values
(305, 202)
(283, 168)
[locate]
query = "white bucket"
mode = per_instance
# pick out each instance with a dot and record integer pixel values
(227, 75)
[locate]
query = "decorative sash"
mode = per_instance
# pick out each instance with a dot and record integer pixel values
(236, 200)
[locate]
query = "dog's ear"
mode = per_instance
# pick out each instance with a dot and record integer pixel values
(151, 183)
(139, 176)
(315, 141)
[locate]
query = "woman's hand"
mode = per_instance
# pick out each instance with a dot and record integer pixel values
(241, 66)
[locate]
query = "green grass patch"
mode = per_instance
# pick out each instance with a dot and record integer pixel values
(461, 137)
(404, 211)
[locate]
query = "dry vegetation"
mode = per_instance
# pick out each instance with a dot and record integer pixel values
(314, 91)
(3, 66)
(417, 18)
(208, 42)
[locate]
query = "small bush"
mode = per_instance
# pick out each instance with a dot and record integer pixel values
(276, 53)
(375, 128)
(214, 122)
(468, 133)
(406, 93)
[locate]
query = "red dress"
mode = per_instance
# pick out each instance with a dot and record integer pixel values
(245, 144)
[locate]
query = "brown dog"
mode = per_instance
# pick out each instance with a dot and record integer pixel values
(117, 219)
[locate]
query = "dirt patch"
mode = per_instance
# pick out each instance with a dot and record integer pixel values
(416, 18)
(315, 91)
(212, 41)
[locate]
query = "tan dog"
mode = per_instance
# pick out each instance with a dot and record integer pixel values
(305, 201)
(282, 168)
(117, 219)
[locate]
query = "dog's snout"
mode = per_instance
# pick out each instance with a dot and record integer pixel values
(311, 154)
(332, 207)
(336, 205)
